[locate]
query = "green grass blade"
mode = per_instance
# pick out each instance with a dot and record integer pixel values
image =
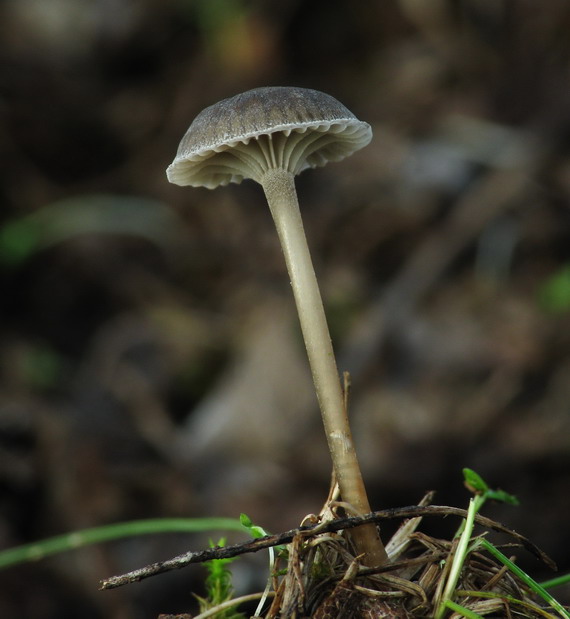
(96, 535)
(530, 582)
(465, 612)
(459, 555)
(556, 582)
(506, 598)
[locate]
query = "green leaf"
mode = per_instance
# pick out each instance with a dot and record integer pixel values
(474, 482)
(502, 497)
(246, 520)
(254, 529)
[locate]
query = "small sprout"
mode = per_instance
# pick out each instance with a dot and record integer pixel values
(255, 530)
(477, 485)
(219, 588)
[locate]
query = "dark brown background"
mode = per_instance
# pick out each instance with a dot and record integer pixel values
(150, 360)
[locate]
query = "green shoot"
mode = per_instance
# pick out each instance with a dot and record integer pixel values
(458, 558)
(219, 589)
(479, 487)
(256, 532)
(476, 484)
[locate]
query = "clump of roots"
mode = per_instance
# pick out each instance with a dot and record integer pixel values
(324, 580)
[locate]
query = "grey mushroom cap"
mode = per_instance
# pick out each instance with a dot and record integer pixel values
(273, 127)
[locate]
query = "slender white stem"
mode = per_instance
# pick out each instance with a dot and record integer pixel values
(279, 187)
(211, 612)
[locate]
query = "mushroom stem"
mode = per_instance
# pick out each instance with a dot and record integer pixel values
(279, 188)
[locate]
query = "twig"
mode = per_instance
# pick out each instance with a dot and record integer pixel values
(268, 541)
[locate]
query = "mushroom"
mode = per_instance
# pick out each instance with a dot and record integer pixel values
(270, 135)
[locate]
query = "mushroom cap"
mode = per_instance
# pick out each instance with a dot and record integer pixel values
(273, 127)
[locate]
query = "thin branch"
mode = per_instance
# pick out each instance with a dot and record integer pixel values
(269, 541)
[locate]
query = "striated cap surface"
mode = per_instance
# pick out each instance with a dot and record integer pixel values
(273, 127)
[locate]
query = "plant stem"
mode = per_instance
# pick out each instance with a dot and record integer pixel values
(121, 530)
(279, 188)
(460, 554)
(211, 612)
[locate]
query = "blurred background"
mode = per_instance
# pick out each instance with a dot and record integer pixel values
(150, 361)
